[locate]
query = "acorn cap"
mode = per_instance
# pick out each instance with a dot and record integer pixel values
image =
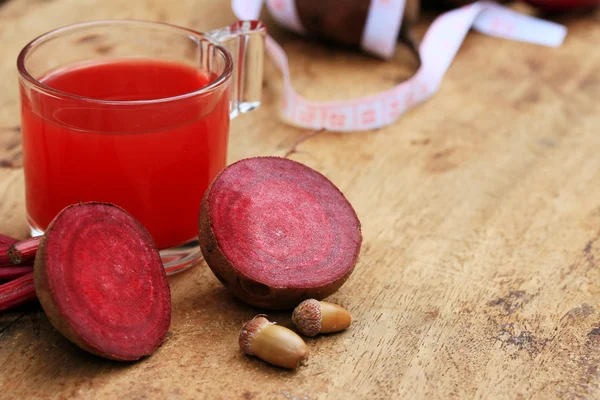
(249, 331)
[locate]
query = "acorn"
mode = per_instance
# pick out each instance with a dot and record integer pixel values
(272, 343)
(312, 317)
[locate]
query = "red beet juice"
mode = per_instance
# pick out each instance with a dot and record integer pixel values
(153, 158)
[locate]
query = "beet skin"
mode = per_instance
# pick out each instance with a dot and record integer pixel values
(276, 232)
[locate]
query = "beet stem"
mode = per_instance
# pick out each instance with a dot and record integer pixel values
(24, 250)
(4, 258)
(14, 271)
(17, 292)
(5, 243)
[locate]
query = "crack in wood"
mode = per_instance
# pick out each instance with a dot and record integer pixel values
(11, 323)
(302, 139)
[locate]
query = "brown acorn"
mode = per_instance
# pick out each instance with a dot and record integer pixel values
(272, 343)
(312, 317)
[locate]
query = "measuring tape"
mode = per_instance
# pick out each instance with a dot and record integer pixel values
(437, 50)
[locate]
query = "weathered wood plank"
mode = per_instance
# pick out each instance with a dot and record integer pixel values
(479, 276)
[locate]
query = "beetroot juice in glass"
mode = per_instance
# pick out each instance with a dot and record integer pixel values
(136, 114)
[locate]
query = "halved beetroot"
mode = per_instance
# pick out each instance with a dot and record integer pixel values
(276, 232)
(101, 282)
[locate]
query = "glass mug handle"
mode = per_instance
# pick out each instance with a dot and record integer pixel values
(245, 41)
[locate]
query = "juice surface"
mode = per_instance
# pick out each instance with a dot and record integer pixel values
(154, 160)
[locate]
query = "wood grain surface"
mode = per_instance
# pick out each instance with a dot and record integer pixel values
(480, 271)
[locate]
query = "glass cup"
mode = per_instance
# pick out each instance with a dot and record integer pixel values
(137, 114)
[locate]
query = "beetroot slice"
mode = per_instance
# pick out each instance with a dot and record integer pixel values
(100, 280)
(276, 232)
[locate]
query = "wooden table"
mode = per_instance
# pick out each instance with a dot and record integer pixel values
(480, 271)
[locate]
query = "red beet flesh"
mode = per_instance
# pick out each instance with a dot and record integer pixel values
(100, 280)
(276, 232)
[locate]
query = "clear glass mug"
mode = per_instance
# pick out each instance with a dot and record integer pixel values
(137, 114)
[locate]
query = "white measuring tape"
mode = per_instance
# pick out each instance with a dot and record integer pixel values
(437, 50)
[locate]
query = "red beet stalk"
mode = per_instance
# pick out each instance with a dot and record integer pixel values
(24, 250)
(12, 272)
(17, 292)
(5, 243)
